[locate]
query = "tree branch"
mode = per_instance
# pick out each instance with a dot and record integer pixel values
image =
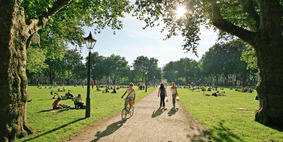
(37, 24)
(253, 19)
(228, 27)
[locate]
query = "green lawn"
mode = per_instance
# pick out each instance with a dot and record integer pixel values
(223, 121)
(60, 125)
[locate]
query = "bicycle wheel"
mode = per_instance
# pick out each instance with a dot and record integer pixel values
(124, 114)
(132, 111)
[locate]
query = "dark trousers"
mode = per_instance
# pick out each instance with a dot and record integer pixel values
(79, 105)
(174, 99)
(162, 100)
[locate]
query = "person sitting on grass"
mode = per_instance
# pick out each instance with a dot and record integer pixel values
(106, 90)
(69, 95)
(78, 101)
(114, 91)
(250, 90)
(97, 88)
(56, 104)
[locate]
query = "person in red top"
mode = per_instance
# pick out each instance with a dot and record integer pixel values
(92, 84)
(56, 104)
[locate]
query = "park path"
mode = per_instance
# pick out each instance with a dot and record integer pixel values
(148, 124)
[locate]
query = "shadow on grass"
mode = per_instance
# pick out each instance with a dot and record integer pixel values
(272, 127)
(157, 112)
(58, 110)
(224, 133)
(47, 110)
(201, 136)
(172, 111)
(53, 130)
(109, 130)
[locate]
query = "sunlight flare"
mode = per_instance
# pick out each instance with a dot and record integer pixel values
(180, 11)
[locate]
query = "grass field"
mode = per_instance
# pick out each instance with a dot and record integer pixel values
(56, 126)
(223, 121)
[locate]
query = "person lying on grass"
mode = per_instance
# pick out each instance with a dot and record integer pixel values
(68, 96)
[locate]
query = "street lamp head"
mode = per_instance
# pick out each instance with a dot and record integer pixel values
(90, 41)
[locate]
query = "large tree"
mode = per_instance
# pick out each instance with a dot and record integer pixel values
(20, 20)
(115, 67)
(147, 68)
(257, 22)
(71, 61)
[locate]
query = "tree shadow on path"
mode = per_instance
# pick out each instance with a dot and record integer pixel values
(109, 130)
(172, 111)
(157, 112)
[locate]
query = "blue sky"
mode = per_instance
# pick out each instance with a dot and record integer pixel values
(132, 41)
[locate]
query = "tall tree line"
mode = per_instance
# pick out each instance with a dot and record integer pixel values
(68, 67)
(223, 61)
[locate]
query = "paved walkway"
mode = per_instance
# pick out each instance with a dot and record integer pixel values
(148, 124)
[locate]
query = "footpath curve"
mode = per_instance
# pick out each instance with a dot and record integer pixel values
(148, 124)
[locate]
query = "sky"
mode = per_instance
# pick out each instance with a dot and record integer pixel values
(132, 41)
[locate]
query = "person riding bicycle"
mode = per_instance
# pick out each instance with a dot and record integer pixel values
(131, 96)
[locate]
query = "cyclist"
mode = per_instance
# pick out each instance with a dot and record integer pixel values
(131, 96)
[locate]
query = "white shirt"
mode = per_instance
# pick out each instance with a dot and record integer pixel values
(131, 91)
(174, 91)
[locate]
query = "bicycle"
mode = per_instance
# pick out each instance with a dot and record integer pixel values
(127, 112)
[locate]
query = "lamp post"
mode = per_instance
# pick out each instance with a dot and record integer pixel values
(146, 82)
(90, 42)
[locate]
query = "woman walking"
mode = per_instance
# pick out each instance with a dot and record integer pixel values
(162, 92)
(174, 93)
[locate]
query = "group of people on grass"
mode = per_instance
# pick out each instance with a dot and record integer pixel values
(78, 102)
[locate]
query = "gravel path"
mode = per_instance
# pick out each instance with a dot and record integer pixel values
(148, 124)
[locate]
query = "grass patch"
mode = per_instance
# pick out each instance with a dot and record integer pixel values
(221, 118)
(55, 126)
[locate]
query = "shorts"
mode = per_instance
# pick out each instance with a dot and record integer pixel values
(128, 99)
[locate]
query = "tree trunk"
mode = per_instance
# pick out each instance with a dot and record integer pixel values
(13, 80)
(68, 78)
(51, 79)
(216, 80)
(226, 80)
(269, 87)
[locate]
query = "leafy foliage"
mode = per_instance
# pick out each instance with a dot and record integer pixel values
(221, 13)
(35, 59)
(185, 68)
(146, 69)
(249, 57)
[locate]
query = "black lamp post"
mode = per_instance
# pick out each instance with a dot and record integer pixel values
(146, 82)
(90, 42)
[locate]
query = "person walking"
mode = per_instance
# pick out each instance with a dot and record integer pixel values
(174, 93)
(162, 92)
